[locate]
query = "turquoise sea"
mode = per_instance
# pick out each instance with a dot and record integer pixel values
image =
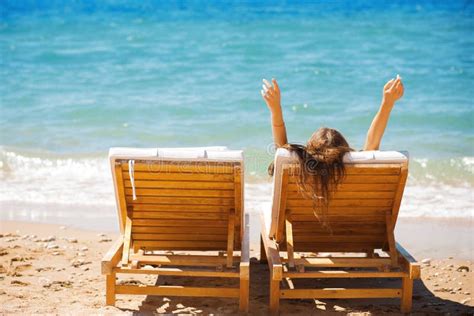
(78, 77)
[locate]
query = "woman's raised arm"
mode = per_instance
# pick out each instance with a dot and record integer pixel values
(392, 91)
(271, 95)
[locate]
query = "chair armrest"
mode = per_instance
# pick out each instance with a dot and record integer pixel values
(271, 250)
(245, 251)
(112, 257)
(408, 263)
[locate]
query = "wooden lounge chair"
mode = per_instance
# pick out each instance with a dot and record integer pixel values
(361, 219)
(179, 200)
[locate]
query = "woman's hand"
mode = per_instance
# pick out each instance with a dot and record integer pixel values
(271, 95)
(392, 91)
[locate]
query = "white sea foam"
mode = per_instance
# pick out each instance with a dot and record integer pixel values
(33, 187)
(469, 163)
(438, 201)
(66, 181)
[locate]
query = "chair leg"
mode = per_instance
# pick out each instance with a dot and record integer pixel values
(110, 289)
(263, 255)
(407, 295)
(244, 295)
(274, 296)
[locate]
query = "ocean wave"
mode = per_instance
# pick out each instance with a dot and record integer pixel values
(85, 181)
(438, 188)
(452, 171)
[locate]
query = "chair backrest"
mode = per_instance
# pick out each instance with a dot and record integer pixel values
(361, 209)
(184, 197)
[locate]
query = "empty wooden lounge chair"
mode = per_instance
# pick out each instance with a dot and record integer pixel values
(361, 218)
(186, 200)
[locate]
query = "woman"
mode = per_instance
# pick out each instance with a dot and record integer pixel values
(321, 159)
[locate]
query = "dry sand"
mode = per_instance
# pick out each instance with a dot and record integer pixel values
(56, 270)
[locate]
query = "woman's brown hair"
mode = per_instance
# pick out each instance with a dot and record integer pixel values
(321, 166)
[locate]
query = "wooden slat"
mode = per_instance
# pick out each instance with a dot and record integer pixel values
(179, 192)
(112, 256)
(289, 240)
(308, 235)
(274, 296)
(270, 246)
(179, 230)
(364, 169)
(363, 195)
(181, 207)
(180, 185)
(169, 290)
(162, 176)
(338, 238)
(181, 260)
(386, 169)
(110, 289)
(341, 274)
(339, 228)
(408, 263)
(390, 235)
(343, 210)
(181, 272)
(127, 240)
(335, 231)
(346, 202)
(182, 245)
(347, 195)
(407, 295)
(239, 217)
(172, 222)
(365, 179)
(400, 190)
(337, 246)
(188, 237)
(333, 217)
(297, 219)
(355, 187)
(339, 293)
(341, 262)
(230, 237)
(122, 204)
(244, 293)
(179, 215)
(180, 200)
(181, 167)
(282, 205)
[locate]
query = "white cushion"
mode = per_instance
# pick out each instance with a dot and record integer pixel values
(219, 153)
(225, 154)
(132, 152)
(370, 156)
(176, 153)
(376, 156)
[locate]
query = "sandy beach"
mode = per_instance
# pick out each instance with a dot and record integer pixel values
(55, 269)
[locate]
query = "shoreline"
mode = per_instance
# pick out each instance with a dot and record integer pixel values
(96, 203)
(68, 265)
(452, 236)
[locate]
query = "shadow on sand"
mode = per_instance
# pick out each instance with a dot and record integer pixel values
(424, 301)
